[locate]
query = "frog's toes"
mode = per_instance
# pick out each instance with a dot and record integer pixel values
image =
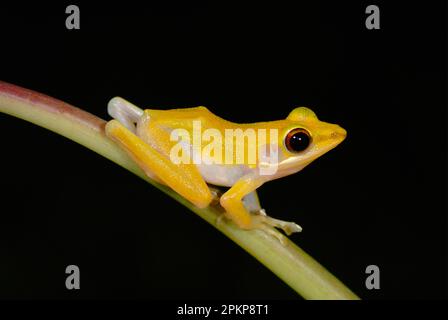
(288, 227)
(220, 219)
(273, 232)
(216, 195)
(291, 227)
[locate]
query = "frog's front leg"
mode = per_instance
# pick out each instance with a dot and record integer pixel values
(252, 203)
(232, 202)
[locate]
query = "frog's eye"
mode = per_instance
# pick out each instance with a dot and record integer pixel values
(297, 140)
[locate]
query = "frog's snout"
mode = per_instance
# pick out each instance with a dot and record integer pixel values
(339, 134)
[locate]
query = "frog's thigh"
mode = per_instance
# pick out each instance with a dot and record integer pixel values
(185, 179)
(233, 203)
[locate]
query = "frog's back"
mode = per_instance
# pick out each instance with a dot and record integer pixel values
(184, 118)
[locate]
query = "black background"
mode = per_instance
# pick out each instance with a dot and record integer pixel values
(378, 198)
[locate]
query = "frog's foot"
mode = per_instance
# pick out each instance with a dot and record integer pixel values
(125, 112)
(220, 219)
(288, 227)
(216, 195)
(273, 232)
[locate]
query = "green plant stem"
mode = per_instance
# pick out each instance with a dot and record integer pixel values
(290, 263)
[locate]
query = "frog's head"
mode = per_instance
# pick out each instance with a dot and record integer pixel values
(303, 138)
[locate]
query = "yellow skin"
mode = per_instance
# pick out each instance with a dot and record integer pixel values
(145, 135)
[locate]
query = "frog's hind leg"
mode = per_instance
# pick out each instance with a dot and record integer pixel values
(185, 179)
(125, 112)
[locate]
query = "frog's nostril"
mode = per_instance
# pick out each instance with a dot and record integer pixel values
(339, 133)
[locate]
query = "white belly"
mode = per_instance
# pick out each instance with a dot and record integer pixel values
(218, 174)
(222, 175)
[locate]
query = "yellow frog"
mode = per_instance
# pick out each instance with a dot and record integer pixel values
(153, 138)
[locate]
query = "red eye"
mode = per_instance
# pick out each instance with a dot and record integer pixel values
(297, 140)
